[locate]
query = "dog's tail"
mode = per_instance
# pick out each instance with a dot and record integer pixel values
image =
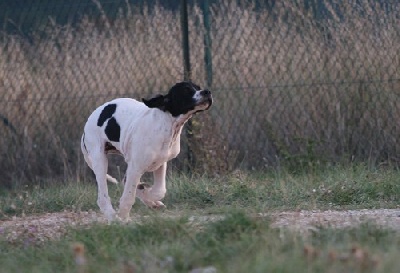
(111, 179)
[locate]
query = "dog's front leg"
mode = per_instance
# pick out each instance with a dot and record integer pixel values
(157, 192)
(128, 196)
(152, 196)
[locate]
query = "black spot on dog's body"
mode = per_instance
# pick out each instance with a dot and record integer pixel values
(107, 113)
(113, 130)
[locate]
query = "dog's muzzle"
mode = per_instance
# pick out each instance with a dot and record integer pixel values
(207, 97)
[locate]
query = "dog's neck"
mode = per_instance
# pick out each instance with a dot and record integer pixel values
(182, 119)
(177, 126)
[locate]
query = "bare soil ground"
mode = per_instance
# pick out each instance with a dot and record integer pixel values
(50, 226)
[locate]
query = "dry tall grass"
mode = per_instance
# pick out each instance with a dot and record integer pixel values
(286, 86)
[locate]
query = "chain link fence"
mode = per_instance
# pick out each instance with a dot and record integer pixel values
(295, 82)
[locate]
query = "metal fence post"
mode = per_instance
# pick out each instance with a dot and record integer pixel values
(185, 41)
(187, 77)
(207, 42)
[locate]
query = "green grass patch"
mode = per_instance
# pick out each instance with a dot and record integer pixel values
(338, 187)
(236, 243)
(69, 196)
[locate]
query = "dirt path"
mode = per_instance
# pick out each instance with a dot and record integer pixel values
(306, 220)
(39, 228)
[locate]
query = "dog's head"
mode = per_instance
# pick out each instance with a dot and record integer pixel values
(182, 98)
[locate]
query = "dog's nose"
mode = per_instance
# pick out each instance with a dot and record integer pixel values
(206, 93)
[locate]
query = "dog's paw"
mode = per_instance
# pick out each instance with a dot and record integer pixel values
(113, 220)
(111, 216)
(123, 213)
(123, 219)
(144, 194)
(158, 205)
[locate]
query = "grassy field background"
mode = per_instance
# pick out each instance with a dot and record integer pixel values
(235, 241)
(295, 92)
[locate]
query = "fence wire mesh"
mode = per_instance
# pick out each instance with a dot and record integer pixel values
(294, 82)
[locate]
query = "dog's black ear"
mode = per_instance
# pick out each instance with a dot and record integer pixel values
(156, 102)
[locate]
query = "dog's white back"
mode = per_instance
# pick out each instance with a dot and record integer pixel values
(146, 134)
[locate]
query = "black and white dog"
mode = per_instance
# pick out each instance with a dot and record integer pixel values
(147, 135)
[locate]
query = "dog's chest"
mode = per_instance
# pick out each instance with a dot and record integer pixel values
(149, 141)
(161, 150)
(169, 142)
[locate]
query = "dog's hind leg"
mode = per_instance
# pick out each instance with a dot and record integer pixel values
(85, 152)
(97, 161)
(99, 166)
